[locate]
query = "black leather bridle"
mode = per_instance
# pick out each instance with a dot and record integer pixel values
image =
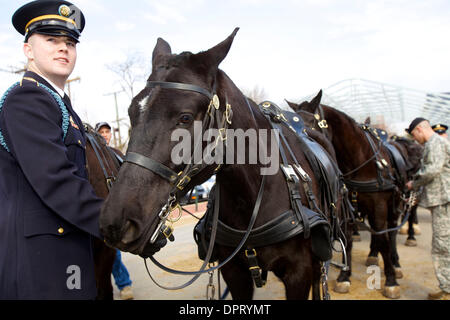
(180, 180)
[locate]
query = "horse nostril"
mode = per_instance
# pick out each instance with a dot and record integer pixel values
(131, 232)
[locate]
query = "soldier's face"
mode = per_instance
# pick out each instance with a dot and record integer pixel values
(105, 132)
(52, 56)
(418, 135)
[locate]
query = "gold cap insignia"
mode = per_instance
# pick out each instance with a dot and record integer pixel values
(64, 10)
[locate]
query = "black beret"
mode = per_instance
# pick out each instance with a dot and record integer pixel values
(414, 124)
(439, 128)
(50, 17)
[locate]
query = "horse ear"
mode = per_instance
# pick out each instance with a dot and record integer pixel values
(214, 56)
(293, 105)
(311, 106)
(161, 50)
(316, 101)
(367, 122)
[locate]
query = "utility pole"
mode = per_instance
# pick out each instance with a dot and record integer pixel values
(117, 116)
(68, 82)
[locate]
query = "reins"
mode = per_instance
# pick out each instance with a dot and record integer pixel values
(109, 178)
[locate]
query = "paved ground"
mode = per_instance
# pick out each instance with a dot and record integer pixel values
(417, 268)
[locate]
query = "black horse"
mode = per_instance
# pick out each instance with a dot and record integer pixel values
(369, 173)
(181, 90)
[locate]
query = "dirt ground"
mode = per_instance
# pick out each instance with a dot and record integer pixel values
(417, 282)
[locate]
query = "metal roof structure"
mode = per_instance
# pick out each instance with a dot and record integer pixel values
(361, 98)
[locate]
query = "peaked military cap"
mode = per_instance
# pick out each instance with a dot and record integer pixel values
(440, 128)
(414, 124)
(49, 17)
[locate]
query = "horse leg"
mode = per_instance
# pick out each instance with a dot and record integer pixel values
(411, 240)
(372, 259)
(382, 244)
(343, 280)
(238, 279)
(298, 281)
(394, 254)
(298, 273)
(103, 262)
(393, 216)
(317, 273)
(355, 235)
(411, 223)
(391, 289)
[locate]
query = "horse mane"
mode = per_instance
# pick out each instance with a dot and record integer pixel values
(343, 114)
(179, 59)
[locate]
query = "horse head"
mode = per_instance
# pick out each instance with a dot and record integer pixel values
(313, 114)
(414, 152)
(181, 91)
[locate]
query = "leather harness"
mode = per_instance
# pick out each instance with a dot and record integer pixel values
(108, 172)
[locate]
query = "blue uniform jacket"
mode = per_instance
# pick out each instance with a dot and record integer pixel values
(48, 210)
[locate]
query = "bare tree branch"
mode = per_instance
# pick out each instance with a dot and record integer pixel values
(133, 70)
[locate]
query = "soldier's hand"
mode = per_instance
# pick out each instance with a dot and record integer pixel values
(409, 185)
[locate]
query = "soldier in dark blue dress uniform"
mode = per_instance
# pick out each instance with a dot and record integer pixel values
(48, 210)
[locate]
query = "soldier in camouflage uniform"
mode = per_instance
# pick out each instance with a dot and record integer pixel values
(434, 176)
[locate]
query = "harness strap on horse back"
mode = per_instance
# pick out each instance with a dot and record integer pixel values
(294, 193)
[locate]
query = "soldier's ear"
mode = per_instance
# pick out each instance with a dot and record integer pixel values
(28, 50)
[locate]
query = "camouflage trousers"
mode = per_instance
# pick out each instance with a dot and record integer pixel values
(440, 244)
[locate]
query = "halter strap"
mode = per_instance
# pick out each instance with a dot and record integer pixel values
(179, 86)
(152, 165)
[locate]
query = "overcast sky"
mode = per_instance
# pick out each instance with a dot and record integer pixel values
(290, 48)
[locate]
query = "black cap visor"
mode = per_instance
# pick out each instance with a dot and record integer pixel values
(54, 28)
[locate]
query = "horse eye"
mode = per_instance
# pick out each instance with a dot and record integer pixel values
(185, 119)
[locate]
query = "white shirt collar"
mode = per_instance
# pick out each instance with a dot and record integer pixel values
(54, 86)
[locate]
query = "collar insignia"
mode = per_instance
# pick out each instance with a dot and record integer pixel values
(73, 124)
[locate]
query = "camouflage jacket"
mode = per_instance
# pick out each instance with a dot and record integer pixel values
(434, 174)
